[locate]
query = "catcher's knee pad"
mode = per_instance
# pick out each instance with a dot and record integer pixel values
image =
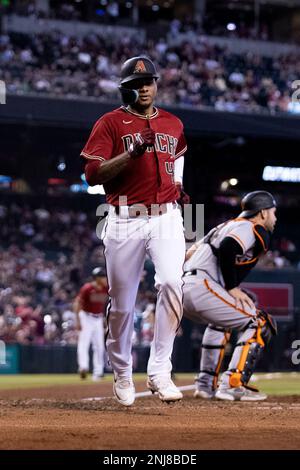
(213, 351)
(249, 355)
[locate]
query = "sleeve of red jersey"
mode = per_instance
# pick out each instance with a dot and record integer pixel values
(100, 142)
(82, 293)
(181, 146)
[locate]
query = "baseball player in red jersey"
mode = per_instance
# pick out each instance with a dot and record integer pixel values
(89, 308)
(133, 152)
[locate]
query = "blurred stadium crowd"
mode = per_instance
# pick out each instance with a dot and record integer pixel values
(111, 12)
(193, 74)
(46, 255)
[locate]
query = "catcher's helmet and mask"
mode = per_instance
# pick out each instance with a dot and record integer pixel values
(135, 69)
(255, 202)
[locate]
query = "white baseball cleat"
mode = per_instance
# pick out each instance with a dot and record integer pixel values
(124, 390)
(239, 394)
(165, 387)
(204, 394)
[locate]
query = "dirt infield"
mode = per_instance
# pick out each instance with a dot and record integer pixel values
(59, 418)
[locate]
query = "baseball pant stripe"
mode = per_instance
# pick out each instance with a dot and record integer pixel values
(224, 300)
(221, 357)
(109, 301)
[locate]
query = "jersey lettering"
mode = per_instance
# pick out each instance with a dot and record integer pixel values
(127, 140)
(169, 168)
(164, 143)
(172, 144)
(162, 147)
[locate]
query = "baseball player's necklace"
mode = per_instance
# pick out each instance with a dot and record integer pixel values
(143, 116)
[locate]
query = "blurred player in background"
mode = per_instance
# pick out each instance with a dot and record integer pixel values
(89, 307)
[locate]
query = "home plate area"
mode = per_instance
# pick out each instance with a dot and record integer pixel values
(88, 417)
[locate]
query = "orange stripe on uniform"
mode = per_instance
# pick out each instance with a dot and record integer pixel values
(260, 238)
(250, 261)
(226, 301)
(238, 219)
(221, 357)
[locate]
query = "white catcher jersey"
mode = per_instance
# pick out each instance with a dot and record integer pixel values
(242, 230)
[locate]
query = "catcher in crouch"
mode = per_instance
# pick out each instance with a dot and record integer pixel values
(214, 268)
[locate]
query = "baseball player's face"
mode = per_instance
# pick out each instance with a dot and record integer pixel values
(270, 219)
(100, 281)
(147, 89)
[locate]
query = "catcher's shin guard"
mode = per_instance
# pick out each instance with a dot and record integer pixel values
(250, 354)
(248, 350)
(212, 355)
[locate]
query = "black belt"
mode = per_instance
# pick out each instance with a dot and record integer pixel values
(194, 272)
(191, 273)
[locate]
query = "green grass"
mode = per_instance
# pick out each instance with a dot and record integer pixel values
(279, 384)
(8, 382)
(272, 384)
(286, 383)
(39, 380)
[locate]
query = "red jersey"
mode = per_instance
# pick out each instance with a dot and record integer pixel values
(93, 298)
(148, 179)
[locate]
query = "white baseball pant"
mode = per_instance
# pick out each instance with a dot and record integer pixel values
(92, 332)
(127, 241)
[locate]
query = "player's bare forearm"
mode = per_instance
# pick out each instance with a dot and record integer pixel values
(77, 306)
(105, 171)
